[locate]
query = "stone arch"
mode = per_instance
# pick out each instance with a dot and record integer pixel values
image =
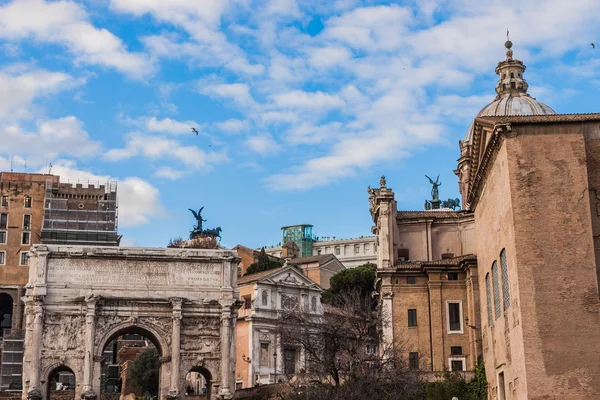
(143, 329)
(7, 306)
(205, 372)
(58, 367)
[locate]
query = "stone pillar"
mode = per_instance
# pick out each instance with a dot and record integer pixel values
(175, 348)
(387, 339)
(87, 392)
(225, 392)
(34, 392)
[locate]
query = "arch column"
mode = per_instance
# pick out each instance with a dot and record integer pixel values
(90, 330)
(175, 348)
(34, 392)
(225, 391)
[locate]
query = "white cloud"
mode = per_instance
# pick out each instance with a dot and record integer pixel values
(168, 125)
(139, 201)
(232, 126)
(239, 93)
(201, 21)
(21, 85)
(307, 100)
(169, 173)
(263, 144)
(153, 147)
(371, 28)
(67, 23)
(328, 57)
(52, 138)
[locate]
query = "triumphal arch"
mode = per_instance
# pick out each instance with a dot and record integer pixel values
(79, 299)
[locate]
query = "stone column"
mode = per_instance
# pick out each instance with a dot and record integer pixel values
(87, 392)
(175, 348)
(387, 339)
(225, 392)
(34, 392)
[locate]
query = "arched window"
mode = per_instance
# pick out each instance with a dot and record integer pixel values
(264, 297)
(505, 289)
(512, 74)
(488, 291)
(496, 286)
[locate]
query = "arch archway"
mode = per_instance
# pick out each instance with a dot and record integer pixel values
(120, 348)
(61, 383)
(198, 382)
(6, 311)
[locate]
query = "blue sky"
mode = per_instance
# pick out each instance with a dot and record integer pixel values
(300, 104)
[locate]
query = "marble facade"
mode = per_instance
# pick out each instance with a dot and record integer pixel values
(78, 299)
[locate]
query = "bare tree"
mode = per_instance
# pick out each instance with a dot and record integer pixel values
(343, 360)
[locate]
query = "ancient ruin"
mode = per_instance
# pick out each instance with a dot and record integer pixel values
(79, 299)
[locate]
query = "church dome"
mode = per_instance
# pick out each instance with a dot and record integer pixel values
(512, 98)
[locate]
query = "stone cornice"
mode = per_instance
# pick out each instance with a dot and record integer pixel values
(142, 253)
(489, 155)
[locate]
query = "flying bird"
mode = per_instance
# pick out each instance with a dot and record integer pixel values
(194, 130)
(593, 45)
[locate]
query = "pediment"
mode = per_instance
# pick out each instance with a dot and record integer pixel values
(289, 276)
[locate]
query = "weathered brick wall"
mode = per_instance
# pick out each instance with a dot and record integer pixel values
(555, 251)
(536, 205)
(502, 340)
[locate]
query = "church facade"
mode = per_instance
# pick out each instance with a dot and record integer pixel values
(524, 256)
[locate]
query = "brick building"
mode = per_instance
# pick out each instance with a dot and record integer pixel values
(529, 179)
(38, 208)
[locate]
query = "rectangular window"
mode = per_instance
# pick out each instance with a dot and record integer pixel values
(247, 302)
(2, 237)
(452, 276)
(3, 221)
(457, 364)
(411, 280)
(456, 350)
(25, 238)
(413, 360)
(4, 201)
(24, 258)
(27, 201)
(505, 289)
(488, 292)
(403, 255)
(454, 310)
(356, 249)
(264, 355)
(496, 287)
(412, 317)
(318, 252)
(27, 222)
(2, 257)
(337, 251)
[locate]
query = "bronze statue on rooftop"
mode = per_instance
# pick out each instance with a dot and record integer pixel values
(435, 194)
(198, 231)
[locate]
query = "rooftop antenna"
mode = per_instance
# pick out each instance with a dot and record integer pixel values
(25, 165)
(49, 168)
(11, 163)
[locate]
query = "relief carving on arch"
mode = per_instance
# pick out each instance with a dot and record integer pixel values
(63, 332)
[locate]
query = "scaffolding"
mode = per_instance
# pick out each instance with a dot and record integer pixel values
(82, 213)
(11, 369)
